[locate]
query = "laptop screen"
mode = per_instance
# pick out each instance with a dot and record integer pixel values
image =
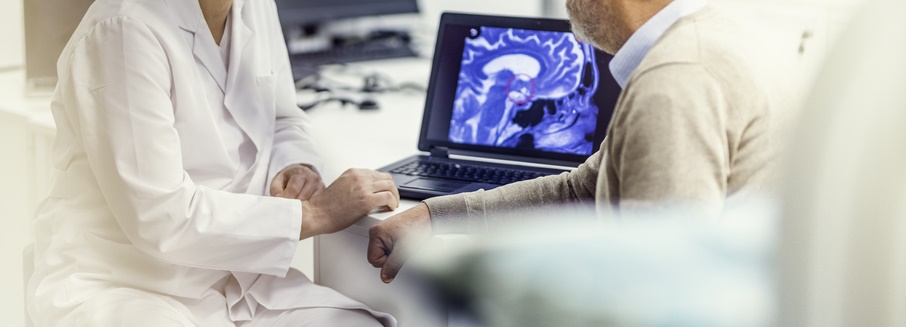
(517, 87)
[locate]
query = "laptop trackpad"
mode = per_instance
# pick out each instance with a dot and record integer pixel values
(436, 184)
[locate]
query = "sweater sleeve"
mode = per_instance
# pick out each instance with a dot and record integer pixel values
(480, 211)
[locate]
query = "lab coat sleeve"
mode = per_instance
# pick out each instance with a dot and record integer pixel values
(293, 142)
(119, 93)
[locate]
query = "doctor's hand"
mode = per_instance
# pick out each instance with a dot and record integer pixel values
(353, 195)
(392, 241)
(297, 182)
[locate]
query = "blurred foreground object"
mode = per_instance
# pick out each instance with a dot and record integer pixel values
(843, 243)
(662, 269)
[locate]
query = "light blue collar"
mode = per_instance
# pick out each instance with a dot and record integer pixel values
(636, 48)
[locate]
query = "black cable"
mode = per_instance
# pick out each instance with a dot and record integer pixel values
(372, 83)
(343, 102)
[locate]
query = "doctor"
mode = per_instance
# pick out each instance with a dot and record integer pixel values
(175, 118)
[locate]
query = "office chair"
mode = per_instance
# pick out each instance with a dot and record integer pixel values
(843, 244)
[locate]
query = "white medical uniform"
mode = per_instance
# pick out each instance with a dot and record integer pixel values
(164, 151)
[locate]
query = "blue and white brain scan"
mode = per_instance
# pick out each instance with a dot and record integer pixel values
(526, 89)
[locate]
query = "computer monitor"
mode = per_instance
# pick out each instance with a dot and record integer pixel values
(48, 26)
(319, 32)
(307, 12)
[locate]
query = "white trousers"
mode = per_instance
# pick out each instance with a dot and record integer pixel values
(136, 308)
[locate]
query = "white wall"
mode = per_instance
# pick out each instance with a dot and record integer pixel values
(431, 9)
(11, 33)
(554, 8)
(802, 30)
(15, 231)
(13, 173)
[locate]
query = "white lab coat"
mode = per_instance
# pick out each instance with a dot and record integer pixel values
(144, 190)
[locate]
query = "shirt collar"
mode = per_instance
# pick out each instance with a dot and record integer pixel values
(636, 48)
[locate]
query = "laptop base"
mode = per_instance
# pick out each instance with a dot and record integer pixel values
(420, 185)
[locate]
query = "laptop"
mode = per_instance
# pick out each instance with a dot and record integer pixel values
(509, 99)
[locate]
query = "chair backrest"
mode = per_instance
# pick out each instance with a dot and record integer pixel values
(843, 243)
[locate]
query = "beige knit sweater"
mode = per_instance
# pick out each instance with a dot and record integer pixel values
(700, 119)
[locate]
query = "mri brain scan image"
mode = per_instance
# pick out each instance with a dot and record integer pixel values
(526, 89)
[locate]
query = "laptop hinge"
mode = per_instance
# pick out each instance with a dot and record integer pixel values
(440, 152)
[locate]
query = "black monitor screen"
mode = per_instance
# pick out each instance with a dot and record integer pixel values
(302, 12)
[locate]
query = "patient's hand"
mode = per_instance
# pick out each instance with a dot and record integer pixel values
(392, 241)
(297, 182)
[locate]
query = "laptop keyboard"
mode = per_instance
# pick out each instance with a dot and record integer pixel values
(466, 172)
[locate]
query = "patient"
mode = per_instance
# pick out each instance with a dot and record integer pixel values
(700, 118)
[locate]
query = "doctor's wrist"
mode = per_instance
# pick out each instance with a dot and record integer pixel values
(311, 224)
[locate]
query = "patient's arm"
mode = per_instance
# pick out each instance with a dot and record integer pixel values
(474, 212)
(393, 240)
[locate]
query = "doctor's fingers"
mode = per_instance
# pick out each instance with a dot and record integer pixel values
(377, 175)
(310, 189)
(363, 176)
(278, 184)
(308, 185)
(293, 186)
(384, 198)
(303, 182)
(387, 186)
